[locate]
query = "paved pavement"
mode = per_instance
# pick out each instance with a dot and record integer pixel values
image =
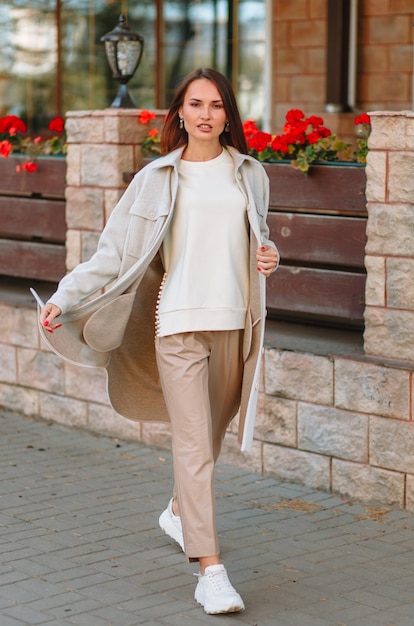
(80, 543)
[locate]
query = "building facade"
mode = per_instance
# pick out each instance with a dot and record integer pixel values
(334, 413)
(327, 57)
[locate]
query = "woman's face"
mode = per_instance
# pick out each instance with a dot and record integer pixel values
(203, 111)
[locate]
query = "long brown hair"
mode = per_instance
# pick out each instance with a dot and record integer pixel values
(172, 136)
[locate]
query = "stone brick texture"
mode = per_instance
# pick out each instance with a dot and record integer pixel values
(102, 146)
(385, 60)
(389, 311)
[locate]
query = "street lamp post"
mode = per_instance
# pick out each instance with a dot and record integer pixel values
(124, 50)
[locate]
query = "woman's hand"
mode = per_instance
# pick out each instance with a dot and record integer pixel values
(48, 313)
(267, 259)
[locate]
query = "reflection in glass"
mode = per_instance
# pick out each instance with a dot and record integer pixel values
(28, 60)
(252, 51)
(52, 59)
(228, 35)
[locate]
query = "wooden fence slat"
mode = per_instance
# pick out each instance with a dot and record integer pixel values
(301, 292)
(38, 261)
(319, 239)
(47, 181)
(288, 191)
(32, 219)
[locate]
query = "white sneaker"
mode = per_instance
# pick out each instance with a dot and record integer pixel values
(171, 525)
(215, 592)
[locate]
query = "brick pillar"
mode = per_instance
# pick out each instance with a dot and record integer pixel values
(389, 313)
(102, 145)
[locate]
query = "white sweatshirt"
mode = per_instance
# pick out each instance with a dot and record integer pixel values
(206, 251)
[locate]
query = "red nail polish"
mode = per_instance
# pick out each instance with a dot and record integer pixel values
(49, 330)
(58, 325)
(263, 248)
(258, 269)
(45, 323)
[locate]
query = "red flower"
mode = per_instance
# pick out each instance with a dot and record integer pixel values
(145, 117)
(12, 124)
(57, 124)
(295, 116)
(315, 121)
(301, 141)
(5, 148)
(29, 166)
(280, 143)
(295, 135)
(153, 132)
(362, 119)
(259, 141)
(299, 125)
(313, 137)
(323, 131)
(249, 128)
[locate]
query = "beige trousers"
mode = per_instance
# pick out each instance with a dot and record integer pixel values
(201, 376)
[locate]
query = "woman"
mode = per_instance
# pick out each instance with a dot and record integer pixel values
(187, 246)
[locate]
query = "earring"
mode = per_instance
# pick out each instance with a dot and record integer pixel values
(181, 123)
(227, 127)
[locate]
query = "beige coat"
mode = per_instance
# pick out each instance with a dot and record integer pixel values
(115, 329)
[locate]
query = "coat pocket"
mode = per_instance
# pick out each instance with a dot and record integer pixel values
(145, 223)
(105, 329)
(247, 337)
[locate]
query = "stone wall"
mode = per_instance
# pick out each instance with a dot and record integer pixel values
(389, 313)
(102, 146)
(345, 423)
(336, 422)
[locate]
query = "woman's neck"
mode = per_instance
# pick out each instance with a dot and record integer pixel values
(202, 152)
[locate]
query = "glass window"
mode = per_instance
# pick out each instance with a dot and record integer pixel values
(53, 60)
(28, 62)
(228, 35)
(195, 34)
(87, 81)
(251, 58)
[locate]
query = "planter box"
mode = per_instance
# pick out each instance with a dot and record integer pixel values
(48, 180)
(318, 222)
(336, 188)
(32, 219)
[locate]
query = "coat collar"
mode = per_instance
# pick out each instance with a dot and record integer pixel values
(173, 158)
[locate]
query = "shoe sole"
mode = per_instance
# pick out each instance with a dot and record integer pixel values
(169, 529)
(232, 609)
